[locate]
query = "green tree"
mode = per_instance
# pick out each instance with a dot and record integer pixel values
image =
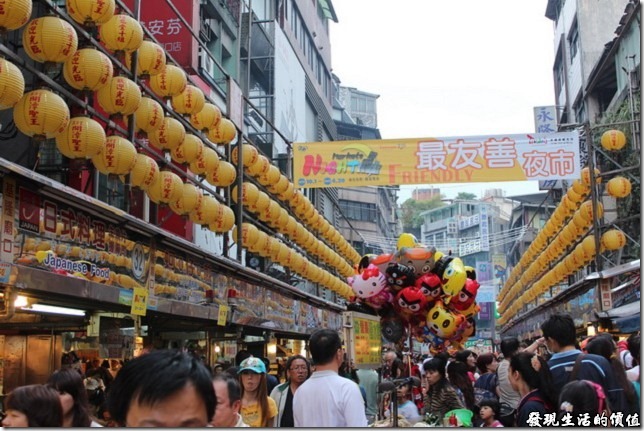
(411, 210)
(466, 196)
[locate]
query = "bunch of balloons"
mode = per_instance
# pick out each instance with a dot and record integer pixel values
(419, 291)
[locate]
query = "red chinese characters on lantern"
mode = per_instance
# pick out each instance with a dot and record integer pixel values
(33, 104)
(32, 40)
(109, 151)
(119, 98)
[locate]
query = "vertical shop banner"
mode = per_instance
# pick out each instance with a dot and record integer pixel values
(166, 26)
(8, 218)
(222, 315)
(499, 266)
(139, 301)
(461, 159)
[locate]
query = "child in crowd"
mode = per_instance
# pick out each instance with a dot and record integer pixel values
(489, 412)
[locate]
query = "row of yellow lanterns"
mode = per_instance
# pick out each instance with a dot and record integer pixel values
(270, 212)
(523, 276)
(268, 175)
(259, 242)
(90, 70)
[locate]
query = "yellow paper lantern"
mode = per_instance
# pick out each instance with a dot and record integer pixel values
(41, 114)
(223, 133)
(250, 155)
(206, 212)
(121, 33)
(90, 12)
(270, 177)
(271, 212)
(189, 199)
(586, 210)
(249, 235)
(280, 186)
(83, 138)
(190, 101)
(223, 175)
(188, 151)
(14, 14)
(148, 116)
(250, 193)
(167, 188)
(260, 167)
(580, 221)
(150, 59)
(261, 203)
(580, 188)
(260, 244)
(208, 162)
(224, 220)
(588, 245)
(613, 140)
(118, 156)
(145, 172)
(88, 69)
(613, 239)
(49, 39)
(170, 82)
(288, 193)
(574, 197)
(12, 84)
(618, 187)
(207, 118)
(121, 96)
(585, 176)
(170, 135)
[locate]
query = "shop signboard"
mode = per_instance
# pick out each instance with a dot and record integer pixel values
(170, 31)
(457, 159)
(139, 301)
(366, 341)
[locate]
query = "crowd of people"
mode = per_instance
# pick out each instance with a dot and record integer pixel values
(554, 381)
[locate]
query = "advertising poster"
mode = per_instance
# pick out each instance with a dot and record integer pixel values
(460, 159)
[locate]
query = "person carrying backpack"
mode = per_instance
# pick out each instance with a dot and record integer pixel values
(487, 381)
(560, 337)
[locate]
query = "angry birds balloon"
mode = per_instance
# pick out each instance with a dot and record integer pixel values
(371, 287)
(419, 258)
(442, 322)
(430, 285)
(452, 274)
(410, 301)
(464, 299)
(400, 276)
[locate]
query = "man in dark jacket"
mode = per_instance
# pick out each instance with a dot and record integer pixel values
(560, 338)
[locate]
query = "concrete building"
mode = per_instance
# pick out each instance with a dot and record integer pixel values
(369, 214)
(597, 78)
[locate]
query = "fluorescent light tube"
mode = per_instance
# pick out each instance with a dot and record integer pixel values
(43, 308)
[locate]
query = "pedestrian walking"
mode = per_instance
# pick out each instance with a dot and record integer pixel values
(228, 392)
(441, 396)
(326, 399)
(298, 369)
(603, 345)
(73, 398)
(560, 336)
(369, 381)
(32, 406)
(257, 409)
(162, 388)
(530, 376)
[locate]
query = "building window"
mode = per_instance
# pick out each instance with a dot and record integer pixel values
(361, 211)
(573, 41)
(559, 76)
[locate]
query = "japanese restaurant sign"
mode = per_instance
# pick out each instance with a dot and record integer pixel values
(460, 159)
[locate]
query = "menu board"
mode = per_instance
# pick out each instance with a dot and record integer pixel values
(366, 341)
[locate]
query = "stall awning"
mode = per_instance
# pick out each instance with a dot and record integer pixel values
(625, 318)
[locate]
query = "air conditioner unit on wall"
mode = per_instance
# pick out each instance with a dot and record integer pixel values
(206, 64)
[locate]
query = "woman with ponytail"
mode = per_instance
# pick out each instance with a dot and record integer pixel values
(530, 376)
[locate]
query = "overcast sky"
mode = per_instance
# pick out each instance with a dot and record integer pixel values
(448, 68)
